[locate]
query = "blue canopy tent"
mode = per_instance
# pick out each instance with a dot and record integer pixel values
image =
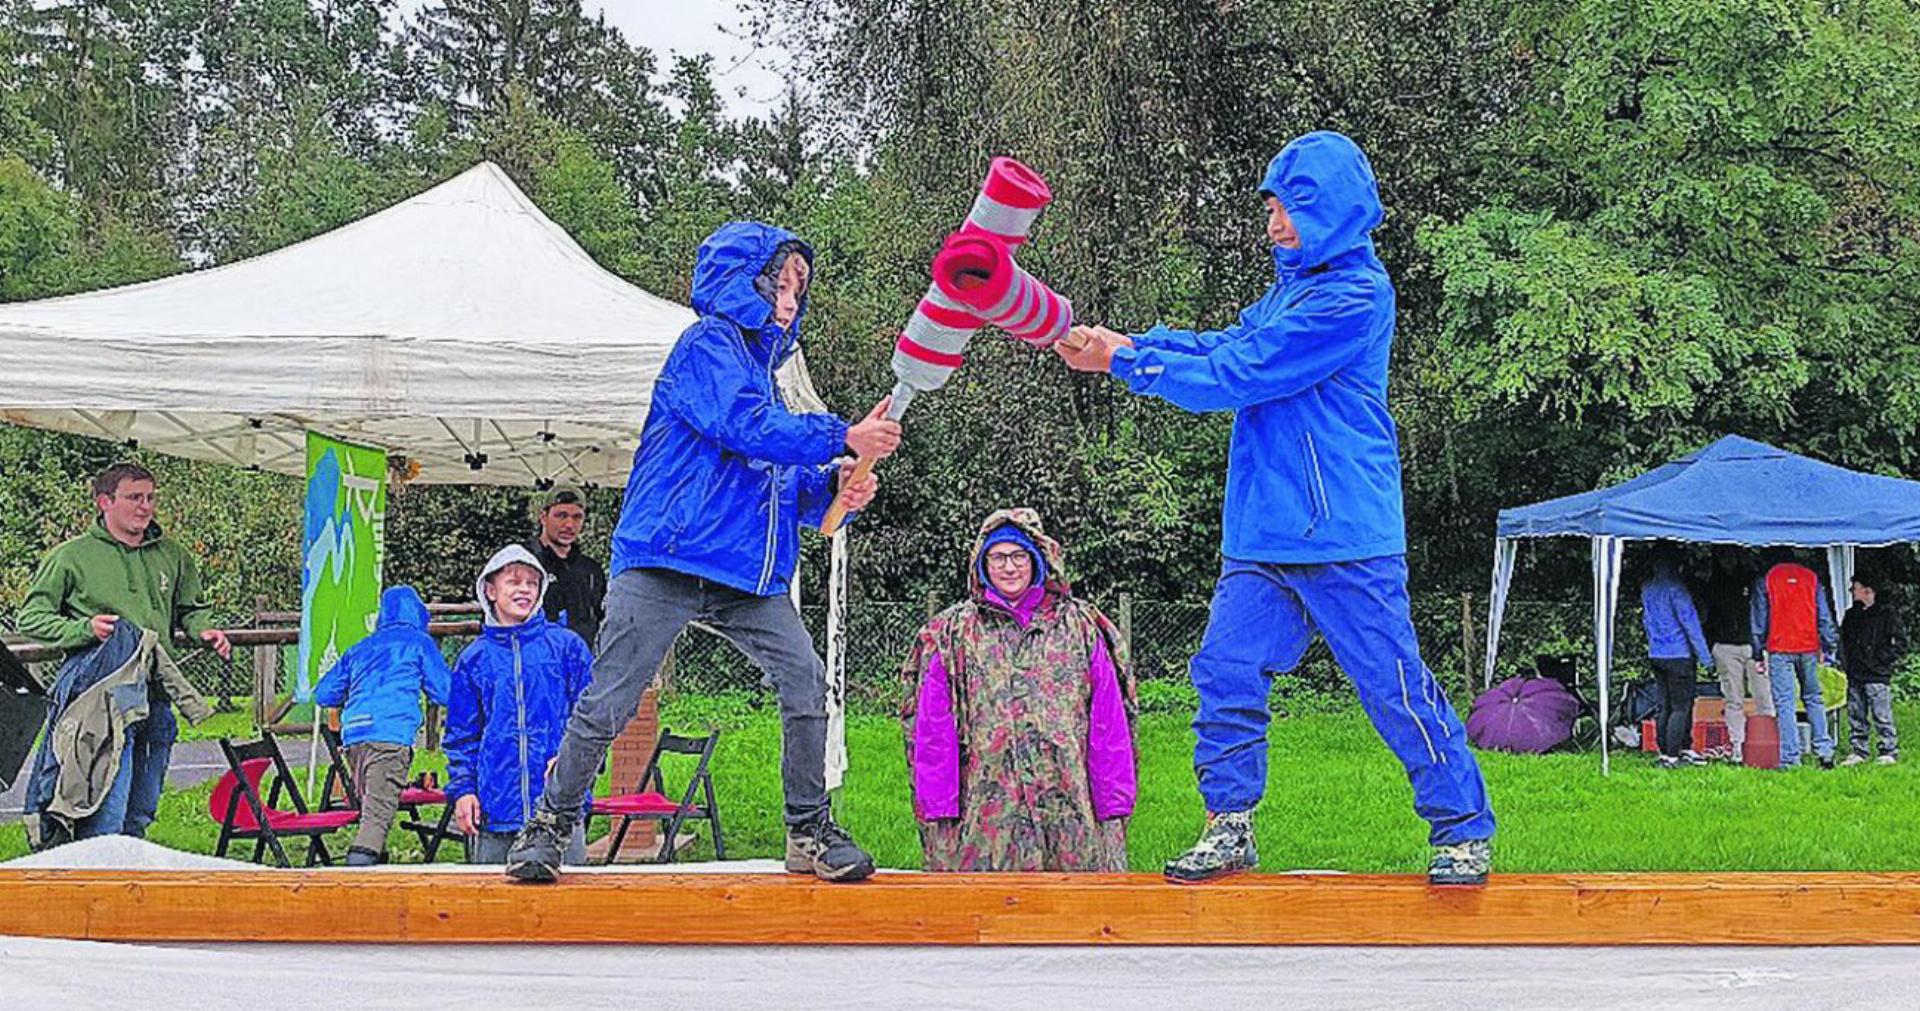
(1735, 491)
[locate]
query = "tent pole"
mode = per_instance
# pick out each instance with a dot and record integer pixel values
(1505, 549)
(1606, 598)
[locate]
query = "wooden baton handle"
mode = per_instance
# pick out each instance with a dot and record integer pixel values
(838, 514)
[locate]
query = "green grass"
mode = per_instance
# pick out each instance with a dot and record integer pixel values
(1336, 800)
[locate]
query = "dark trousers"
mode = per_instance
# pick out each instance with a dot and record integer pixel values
(1676, 708)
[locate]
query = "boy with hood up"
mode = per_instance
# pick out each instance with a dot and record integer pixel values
(710, 531)
(1315, 539)
(507, 709)
(376, 684)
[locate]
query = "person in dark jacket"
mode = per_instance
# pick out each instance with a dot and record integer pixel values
(1869, 647)
(577, 595)
(723, 479)
(1729, 628)
(377, 685)
(507, 709)
(1678, 649)
(1315, 537)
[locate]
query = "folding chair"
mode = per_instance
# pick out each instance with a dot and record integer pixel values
(412, 799)
(650, 802)
(243, 812)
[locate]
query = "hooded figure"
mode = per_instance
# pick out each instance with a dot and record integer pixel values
(710, 531)
(377, 684)
(507, 710)
(1018, 721)
(378, 681)
(725, 475)
(1314, 538)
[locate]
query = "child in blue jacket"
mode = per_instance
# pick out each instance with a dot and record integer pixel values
(377, 684)
(1315, 540)
(507, 711)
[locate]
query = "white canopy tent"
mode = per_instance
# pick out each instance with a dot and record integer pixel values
(461, 330)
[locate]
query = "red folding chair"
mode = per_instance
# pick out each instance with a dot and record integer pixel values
(412, 799)
(650, 802)
(244, 812)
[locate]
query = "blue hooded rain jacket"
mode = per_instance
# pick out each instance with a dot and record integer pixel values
(1313, 475)
(725, 474)
(377, 682)
(513, 689)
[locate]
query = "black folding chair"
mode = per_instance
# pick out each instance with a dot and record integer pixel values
(650, 802)
(412, 799)
(243, 812)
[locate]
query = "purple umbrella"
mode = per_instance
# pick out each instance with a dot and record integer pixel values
(1526, 715)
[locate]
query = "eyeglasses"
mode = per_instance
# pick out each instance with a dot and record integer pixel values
(1009, 559)
(141, 498)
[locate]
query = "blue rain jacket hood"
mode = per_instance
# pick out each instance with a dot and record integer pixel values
(378, 681)
(725, 475)
(507, 709)
(1313, 473)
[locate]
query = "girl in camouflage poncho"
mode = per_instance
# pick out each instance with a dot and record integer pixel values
(1017, 718)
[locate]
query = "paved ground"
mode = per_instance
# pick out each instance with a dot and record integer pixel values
(288, 977)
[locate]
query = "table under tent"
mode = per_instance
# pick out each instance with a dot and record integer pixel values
(1735, 492)
(460, 330)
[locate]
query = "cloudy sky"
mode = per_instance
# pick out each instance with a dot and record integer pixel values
(749, 78)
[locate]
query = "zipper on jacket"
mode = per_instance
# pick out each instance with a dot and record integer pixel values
(520, 703)
(773, 500)
(1317, 503)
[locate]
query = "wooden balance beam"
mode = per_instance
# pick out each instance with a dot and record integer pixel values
(924, 909)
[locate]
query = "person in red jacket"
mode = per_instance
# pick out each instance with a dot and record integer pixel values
(1792, 630)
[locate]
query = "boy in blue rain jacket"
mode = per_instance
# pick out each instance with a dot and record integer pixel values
(512, 690)
(377, 685)
(709, 531)
(1315, 540)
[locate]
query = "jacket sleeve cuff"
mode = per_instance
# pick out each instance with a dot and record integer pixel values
(1130, 367)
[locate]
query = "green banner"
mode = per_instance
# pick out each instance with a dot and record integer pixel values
(341, 551)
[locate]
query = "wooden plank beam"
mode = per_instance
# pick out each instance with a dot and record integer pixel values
(916, 909)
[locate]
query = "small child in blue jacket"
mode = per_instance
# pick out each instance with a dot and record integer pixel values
(377, 684)
(512, 691)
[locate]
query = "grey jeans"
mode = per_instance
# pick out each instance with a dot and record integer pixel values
(1871, 702)
(646, 609)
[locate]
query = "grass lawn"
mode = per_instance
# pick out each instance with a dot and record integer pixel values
(1337, 800)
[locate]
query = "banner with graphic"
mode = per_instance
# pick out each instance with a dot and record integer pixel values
(341, 554)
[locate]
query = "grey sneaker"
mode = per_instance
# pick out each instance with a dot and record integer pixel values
(1888, 760)
(357, 857)
(1225, 847)
(1852, 760)
(1464, 863)
(824, 850)
(535, 854)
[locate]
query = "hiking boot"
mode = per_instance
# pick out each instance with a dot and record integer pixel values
(1887, 760)
(1852, 760)
(1464, 863)
(1225, 847)
(824, 850)
(535, 854)
(357, 857)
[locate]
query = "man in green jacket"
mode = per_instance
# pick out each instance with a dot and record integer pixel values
(124, 567)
